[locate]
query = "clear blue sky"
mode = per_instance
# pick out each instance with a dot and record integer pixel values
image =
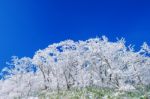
(28, 25)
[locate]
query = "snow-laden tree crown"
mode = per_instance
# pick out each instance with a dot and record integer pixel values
(68, 64)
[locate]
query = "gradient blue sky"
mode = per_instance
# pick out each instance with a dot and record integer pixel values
(29, 25)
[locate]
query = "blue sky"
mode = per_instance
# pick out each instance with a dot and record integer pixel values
(29, 25)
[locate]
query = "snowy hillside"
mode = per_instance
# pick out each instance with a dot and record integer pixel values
(70, 65)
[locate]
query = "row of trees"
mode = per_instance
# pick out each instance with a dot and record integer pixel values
(69, 64)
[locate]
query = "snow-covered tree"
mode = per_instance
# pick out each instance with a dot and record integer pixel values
(68, 64)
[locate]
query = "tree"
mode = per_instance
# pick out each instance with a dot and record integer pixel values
(68, 64)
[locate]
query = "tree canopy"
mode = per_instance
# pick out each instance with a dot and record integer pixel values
(68, 64)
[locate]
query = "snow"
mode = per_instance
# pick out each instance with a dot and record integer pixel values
(94, 62)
